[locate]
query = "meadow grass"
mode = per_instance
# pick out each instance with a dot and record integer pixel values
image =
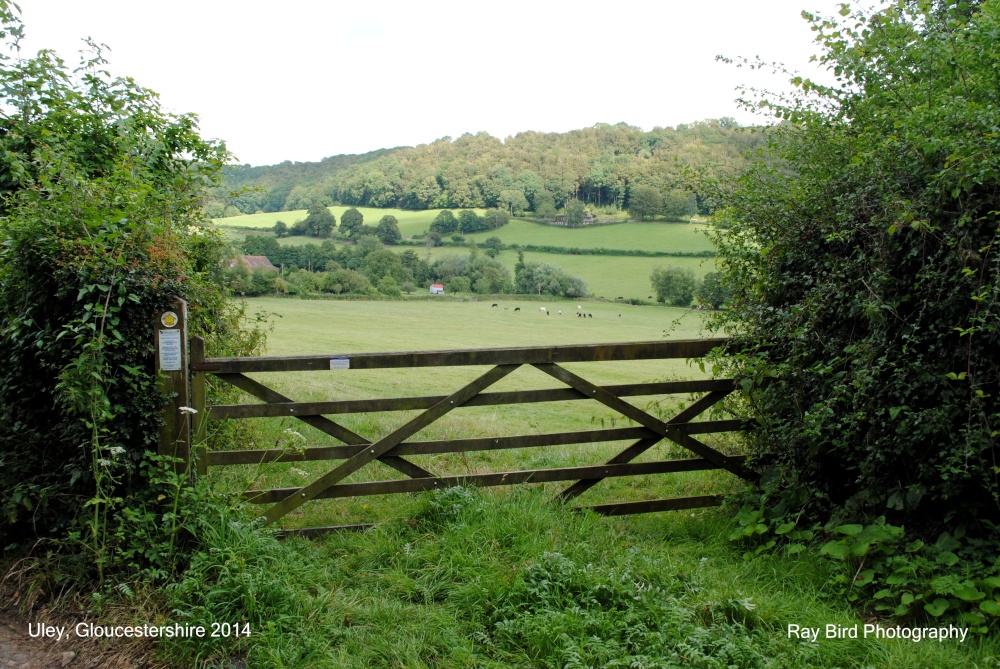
(503, 577)
(344, 327)
(477, 579)
(669, 237)
(607, 277)
(410, 222)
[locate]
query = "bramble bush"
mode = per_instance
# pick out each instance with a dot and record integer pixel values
(100, 224)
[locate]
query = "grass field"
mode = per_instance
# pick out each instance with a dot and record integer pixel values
(606, 276)
(343, 327)
(671, 237)
(674, 237)
(501, 577)
(410, 222)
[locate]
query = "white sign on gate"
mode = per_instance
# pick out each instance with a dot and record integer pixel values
(170, 350)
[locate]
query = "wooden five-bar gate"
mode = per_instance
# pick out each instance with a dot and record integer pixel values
(396, 451)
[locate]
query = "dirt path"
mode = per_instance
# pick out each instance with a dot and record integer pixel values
(19, 650)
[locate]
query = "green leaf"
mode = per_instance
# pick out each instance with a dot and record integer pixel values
(968, 593)
(849, 530)
(835, 549)
(784, 528)
(991, 607)
(937, 607)
(947, 558)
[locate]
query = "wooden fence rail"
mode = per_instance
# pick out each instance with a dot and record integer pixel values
(395, 448)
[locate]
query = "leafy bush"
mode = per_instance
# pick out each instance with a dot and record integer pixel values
(101, 225)
(866, 275)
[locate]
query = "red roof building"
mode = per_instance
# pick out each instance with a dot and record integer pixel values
(252, 263)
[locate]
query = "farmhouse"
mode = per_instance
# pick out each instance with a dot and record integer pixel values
(437, 289)
(252, 263)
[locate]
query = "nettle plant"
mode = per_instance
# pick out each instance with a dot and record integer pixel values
(100, 224)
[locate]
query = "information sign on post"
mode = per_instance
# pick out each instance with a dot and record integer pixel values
(170, 327)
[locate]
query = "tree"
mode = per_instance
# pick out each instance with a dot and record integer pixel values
(537, 278)
(495, 218)
(470, 221)
(513, 201)
(351, 222)
(493, 246)
(261, 245)
(678, 204)
(280, 229)
(545, 205)
(444, 223)
(388, 230)
(673, 285)
(866, 275)
(319, 221)
(574, 213)
(644, 202)
(712, 291)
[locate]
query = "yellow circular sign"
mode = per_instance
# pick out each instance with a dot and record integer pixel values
(169, 319)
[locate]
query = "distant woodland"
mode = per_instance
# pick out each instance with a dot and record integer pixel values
(604, 166)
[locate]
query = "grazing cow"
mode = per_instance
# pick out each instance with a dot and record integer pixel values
(495, 305)
(543, 310)
(619, 298)
(649, 297)
(517, 308)
(560, 312)
(590, 315)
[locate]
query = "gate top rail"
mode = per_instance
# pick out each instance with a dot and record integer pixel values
(645, 350)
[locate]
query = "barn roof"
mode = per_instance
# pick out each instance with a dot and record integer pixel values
(258, 262)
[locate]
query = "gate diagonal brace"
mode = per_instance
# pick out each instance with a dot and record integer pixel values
(387, 443)
(638, 448)
(638, 415)
(335, 430)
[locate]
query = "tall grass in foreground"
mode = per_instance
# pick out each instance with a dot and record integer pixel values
(473, 580)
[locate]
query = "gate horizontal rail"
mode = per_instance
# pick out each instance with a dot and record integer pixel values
(356, 451)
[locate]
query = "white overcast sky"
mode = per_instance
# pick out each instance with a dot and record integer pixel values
(303, 79)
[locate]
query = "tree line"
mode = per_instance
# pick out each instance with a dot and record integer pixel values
(367, 268)
(604, 166)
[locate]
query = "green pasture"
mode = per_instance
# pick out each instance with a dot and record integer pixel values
(410, 222)
(669, 237)
(344, 327)
(606, 276)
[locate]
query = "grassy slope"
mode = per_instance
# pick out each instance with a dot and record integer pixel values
(453, 581)
(674, 237)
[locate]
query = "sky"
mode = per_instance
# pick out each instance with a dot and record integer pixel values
(301, 80)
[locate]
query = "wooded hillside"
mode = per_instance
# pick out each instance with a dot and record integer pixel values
(531, 171)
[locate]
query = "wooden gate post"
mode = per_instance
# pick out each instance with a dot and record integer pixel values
(170, 337)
